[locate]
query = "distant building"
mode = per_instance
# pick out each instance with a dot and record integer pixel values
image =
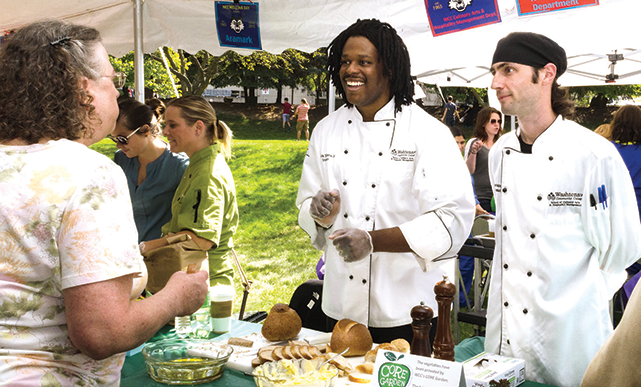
(266, 96)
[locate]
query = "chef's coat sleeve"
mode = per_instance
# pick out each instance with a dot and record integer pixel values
(310, 183)
(611, 216)
(443, 187)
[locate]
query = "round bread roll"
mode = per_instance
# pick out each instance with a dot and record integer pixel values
(282, 323)
(401, 345)
(352, 335)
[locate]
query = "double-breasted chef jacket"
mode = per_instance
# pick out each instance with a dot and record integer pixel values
(567, 226)
(403, 169)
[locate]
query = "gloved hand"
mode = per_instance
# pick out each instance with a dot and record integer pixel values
(353, 244)
(325, 206)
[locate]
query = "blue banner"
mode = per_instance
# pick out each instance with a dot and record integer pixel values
(238, 25)
(457, 15)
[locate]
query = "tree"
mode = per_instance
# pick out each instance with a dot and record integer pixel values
(156, 77)
(583, 95)
(194, 72)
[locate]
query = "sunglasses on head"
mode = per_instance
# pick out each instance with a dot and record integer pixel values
(494, 121)
(122, 139)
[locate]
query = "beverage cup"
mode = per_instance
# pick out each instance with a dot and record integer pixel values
(491, 225)
(221, 297)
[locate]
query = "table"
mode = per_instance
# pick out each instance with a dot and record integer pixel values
(134, 371)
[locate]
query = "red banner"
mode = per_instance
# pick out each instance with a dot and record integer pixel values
(529, 7)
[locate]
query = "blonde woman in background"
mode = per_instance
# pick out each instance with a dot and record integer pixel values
(204, 206)
(604, 130)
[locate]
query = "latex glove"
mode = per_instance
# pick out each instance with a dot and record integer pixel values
(325, 206)
(353, 244)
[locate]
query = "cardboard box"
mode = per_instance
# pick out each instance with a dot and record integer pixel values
(486, 367)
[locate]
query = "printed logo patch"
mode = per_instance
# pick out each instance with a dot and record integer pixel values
(403, 155)
(565, 199)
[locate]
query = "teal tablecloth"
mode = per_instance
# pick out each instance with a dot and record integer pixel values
(134, 372)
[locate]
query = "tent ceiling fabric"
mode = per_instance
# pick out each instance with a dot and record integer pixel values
(588, 32)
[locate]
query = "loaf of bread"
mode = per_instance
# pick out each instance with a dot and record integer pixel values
(282, 323)
(398, 345)
(353, 335)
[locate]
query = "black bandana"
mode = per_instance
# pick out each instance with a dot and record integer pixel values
(530, 49)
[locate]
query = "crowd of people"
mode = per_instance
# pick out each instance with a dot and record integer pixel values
(384, 192)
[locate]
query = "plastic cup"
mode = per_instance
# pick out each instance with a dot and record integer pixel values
(491, 225)
(221, 297)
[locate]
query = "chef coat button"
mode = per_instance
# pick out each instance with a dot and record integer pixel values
(349, 122)
(344, 182)
(505, 304)
(532, 236)
(373, 185)
(539, 198)
(387, 124)
(380, 153)
(507, 152)
(551, 158)
(504, 190)
(364, 281)
(345, 215)
(504, 228)
(351, 277)
(346, 151)
(529, 274)
(367, 218)
(524, 311)
(508, 342)
(505, 266)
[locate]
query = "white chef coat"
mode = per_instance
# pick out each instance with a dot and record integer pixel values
(403, 169)
(558, 259)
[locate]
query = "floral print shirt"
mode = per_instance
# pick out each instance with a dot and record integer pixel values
(65, 220)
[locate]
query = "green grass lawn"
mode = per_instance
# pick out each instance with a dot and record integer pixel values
(275, 252)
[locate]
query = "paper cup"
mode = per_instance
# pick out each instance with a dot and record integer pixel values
(491, 223)
(221, 297)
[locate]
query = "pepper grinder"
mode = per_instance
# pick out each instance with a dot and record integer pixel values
(444, 342)
(421, 324)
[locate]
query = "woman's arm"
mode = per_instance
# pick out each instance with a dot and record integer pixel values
(102, 320)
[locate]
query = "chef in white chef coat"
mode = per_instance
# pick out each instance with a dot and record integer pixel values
(384, 190)
(567, 221)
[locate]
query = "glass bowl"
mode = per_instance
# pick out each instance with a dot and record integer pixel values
(299, 373)
(185, 361)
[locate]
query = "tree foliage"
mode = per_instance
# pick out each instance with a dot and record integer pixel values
(583, 95)
(156, 77)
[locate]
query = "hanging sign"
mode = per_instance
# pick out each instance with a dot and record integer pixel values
(237, 25)
(447, 16)
(529, 7)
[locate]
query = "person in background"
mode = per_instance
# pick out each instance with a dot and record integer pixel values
(204, 206)
(303, 120)
(567, 224)
(71, 267)
(625, 133)
(450, 115)
(604, 130)
(153, 171)
(286, 112)
(486, 132)
(383, 186)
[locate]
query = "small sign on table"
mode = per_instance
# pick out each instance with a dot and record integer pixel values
(395, 369)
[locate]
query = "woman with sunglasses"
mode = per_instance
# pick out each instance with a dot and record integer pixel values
(486, 132)
(204, 206)
(71, 269)
(153, 171)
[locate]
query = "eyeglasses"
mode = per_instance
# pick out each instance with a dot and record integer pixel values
(118, 79)
(122, 139)
(494, 121)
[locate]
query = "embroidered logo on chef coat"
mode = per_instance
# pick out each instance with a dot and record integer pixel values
(326, 156)
(565, 199)
(403, 155)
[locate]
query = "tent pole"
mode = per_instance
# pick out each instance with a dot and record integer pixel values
(139, 64)
(331, 97)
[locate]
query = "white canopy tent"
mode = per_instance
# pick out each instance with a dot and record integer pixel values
(588, 34)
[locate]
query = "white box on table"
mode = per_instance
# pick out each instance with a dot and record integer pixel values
(485, 367)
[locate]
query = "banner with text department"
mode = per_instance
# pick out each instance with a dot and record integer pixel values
(238, 25)
(530, 7)
(447, 16)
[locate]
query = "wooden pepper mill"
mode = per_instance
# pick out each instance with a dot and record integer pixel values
(421, 324)
(444, 342)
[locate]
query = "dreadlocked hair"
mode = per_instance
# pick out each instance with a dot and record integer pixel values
(392, 53)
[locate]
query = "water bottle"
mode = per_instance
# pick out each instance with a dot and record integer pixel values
(183, 326)
(200, 321)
